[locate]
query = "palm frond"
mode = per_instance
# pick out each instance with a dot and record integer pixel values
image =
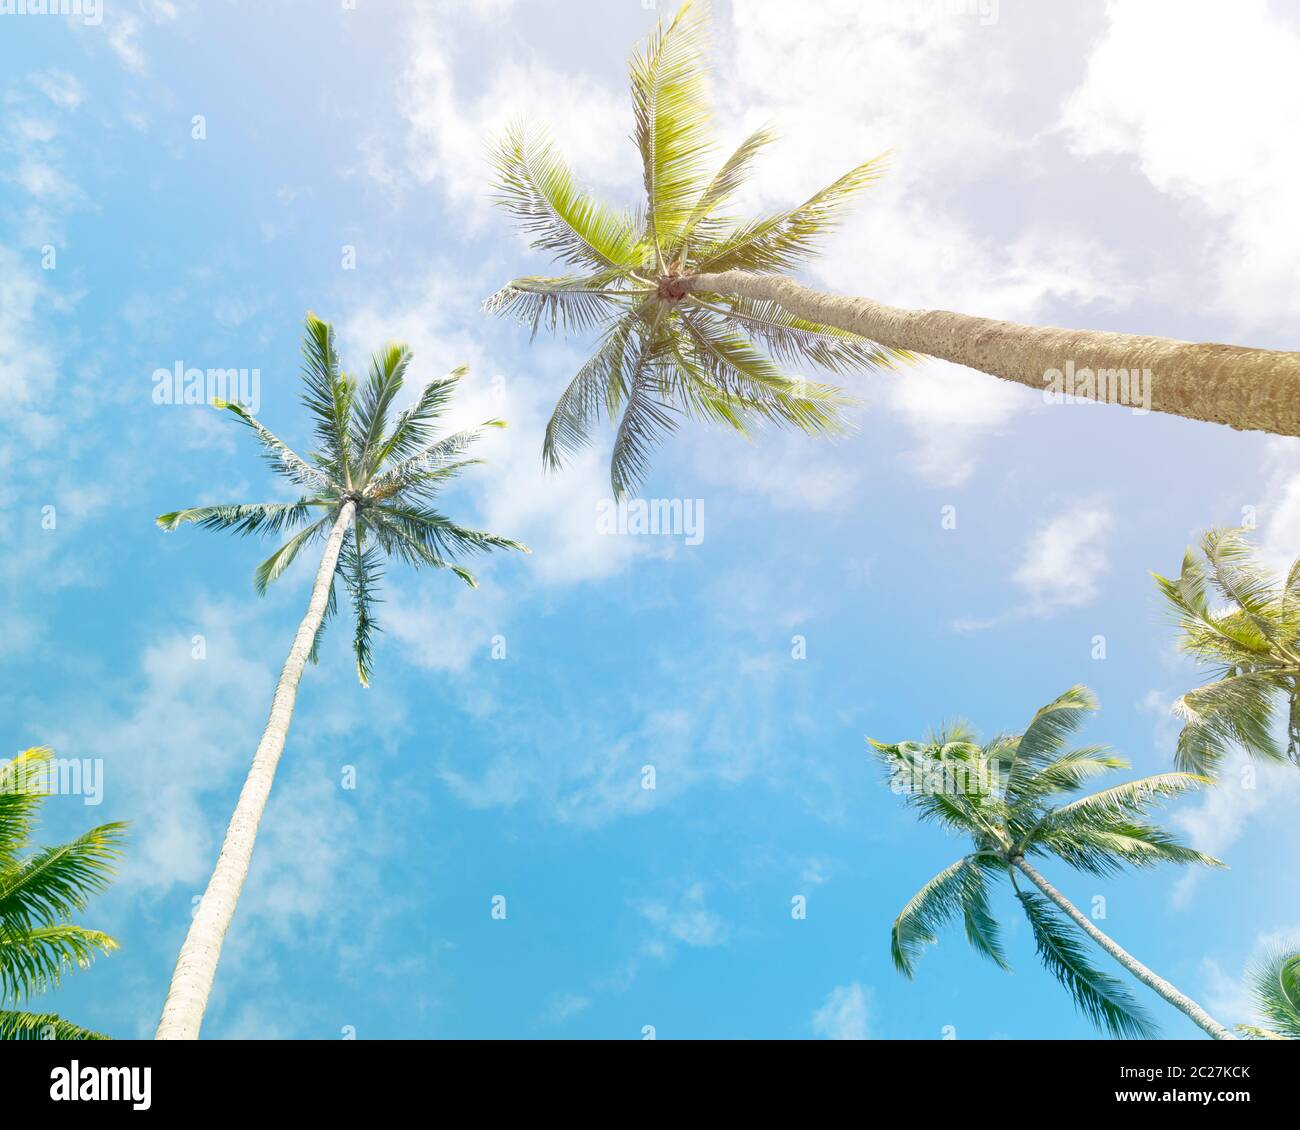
(671, 113)
(1251, 642)
(331, 605)
(281, 458)
(1133, 797)
(1275, 987)
(747, 376)
(444, 540)
(788, 239)
(645, 421)
(327, 394)
(1102, 845)
(569, 429)
(1053, 724)
(34, 959)
(384, 382)
(272, 569)
(1234, 712)
(1100, 997)
(58, 881)
(24, 782)
(982, 930)
(794, 341)
(1066, 774)
(572, 304)
(702, 223)
(362, 574)
(936, 904)
(42, 1026)
(538, 190)
(431, 465)
(245, 517)
(414, 427)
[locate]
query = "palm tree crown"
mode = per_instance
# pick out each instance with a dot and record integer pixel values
(665, 351)
(40, 891)
(1275, 986)
(392, 477)
(1006, 796)
(1251, 640)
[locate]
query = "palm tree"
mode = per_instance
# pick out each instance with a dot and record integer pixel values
(1276, 989)
(1002, 796)
(1251, 641)
(39, 894)
(368, 495)
(688, 298)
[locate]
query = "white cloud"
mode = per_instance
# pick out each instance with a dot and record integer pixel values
(1194, 98)
(1066, 557)
(450, 128)
(845, 1014)
(685, 920)
(191, 724)
(1279, 511)
(790, 471)
(565, 1006)
(61, 88)
(1064, 560)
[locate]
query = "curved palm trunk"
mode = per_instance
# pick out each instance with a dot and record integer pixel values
(187, 998)
(1254, 389)
(1152, 980)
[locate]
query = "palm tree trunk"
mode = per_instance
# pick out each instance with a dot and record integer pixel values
(1184, 1004)
(1252, 389)
(187, 998)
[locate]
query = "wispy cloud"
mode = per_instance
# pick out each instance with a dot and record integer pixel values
(845, 1013)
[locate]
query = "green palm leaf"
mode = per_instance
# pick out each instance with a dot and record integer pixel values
(937, 903)
(42, 1026)
(672, 120)
(57, 882)
(1252, 645)
(34, 960)
(1275, 986)
(538, 190)
(387, 373)
(282, 459)
(1100, 997)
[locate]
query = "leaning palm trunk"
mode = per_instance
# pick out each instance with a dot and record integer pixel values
(1251, 389)
(1152, 980)
(197, 965)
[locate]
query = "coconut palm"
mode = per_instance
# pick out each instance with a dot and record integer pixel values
(40, 892)
(688, 300)
(1005, 796)
(369, 491)
(1251, 641)
(1275, 985)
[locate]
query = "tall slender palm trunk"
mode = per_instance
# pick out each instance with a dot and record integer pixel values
(187, 998)
(1152, 980)
(1252, 389)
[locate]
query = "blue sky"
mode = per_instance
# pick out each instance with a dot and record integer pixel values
(1067, 164)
